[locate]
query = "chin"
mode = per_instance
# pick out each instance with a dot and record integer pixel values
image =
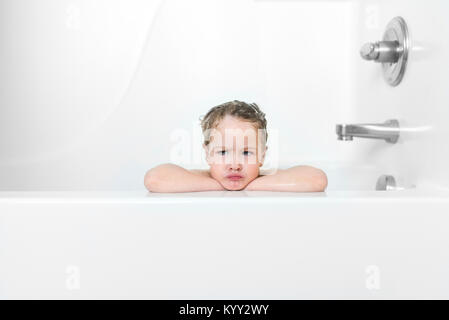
(234, 187)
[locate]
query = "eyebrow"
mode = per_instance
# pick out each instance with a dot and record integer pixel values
(247, 148)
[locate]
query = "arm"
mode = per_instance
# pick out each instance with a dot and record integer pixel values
(173, 178)
(294, 179)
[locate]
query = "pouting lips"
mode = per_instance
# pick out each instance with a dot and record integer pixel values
(234, 177)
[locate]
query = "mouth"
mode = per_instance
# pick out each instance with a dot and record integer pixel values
(234, 177)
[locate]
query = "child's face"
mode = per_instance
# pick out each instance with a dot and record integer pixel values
(235, 149)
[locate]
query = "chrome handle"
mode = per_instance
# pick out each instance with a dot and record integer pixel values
(382, 51)
(391, 52)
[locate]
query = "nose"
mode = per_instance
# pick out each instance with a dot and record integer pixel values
(235, 163)
(235, 167)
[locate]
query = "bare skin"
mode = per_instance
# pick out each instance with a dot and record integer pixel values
(173, 178)
(294, 179)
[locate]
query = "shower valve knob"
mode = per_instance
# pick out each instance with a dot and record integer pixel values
(369, 52)
(391, 52)
(382, 51)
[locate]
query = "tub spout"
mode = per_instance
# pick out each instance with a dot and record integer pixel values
(388, 131)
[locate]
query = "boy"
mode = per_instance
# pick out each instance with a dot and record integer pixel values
(235, 139)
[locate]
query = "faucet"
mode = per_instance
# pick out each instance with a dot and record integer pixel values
(388, 131)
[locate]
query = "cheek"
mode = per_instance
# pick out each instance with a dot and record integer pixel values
(252, 171)
(216, 171)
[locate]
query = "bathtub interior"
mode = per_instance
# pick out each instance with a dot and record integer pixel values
(93, 94)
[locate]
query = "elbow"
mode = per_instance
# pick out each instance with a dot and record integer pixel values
(312, 179)
(156, 179)
(151, 181)
(321, 182)
(148, 181)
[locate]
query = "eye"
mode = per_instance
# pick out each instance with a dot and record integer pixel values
(221, 152)
(247, 153)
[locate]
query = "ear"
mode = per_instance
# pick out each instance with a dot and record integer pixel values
(262, 158)
(206, 150)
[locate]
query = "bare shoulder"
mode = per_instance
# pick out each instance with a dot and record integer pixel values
(200, 172)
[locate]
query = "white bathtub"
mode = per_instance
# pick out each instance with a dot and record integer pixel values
(225, 245)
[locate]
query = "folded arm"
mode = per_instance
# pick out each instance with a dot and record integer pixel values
(294, 179)
(173, 178)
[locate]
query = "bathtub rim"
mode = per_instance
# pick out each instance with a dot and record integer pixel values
(145, 197)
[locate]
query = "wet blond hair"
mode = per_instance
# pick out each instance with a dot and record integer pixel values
(239, 109)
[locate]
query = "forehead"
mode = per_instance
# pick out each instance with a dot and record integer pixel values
(232, 131)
